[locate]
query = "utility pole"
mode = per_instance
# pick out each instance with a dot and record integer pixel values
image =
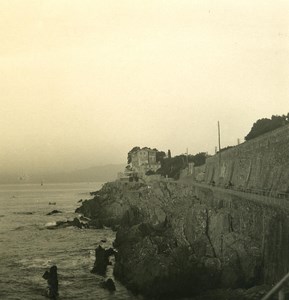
(219, 140)
(188, 169)
(219, 136)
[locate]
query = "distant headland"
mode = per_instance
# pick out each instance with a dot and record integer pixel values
(94, 174)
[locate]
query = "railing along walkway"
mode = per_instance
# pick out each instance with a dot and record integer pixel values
(278, 288)
(256, 195)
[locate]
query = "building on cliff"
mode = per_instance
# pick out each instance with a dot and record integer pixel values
(144, 160)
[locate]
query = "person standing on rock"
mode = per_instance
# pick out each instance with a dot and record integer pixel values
(52, 280)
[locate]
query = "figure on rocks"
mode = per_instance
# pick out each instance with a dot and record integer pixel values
(52, 280)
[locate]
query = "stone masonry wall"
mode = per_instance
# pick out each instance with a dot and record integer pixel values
(261, 163)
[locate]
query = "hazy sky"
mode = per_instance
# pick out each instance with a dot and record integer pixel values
(83, 81)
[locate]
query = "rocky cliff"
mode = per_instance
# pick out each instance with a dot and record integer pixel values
(178, 239)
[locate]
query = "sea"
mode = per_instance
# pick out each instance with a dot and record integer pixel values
(29, 247)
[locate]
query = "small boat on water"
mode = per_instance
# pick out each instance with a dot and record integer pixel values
(52, 203)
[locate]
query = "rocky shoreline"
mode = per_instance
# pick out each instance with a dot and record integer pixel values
(173, 241)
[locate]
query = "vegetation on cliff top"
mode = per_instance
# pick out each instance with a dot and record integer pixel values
(172, 166)
(264, 125)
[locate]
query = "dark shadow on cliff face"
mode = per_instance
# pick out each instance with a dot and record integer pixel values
(149, 261)
(132, 217)
(152, 261)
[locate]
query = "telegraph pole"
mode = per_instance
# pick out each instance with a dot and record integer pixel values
(219, 136)
(219, 140)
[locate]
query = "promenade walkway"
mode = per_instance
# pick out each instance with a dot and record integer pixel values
(259, 196)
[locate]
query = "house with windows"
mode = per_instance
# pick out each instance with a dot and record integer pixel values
(144, 160)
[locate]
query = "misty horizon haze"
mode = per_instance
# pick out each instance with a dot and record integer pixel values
(102, 173)
(82, 82)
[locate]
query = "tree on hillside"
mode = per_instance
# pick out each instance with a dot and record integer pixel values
(169, 154)
(200, 158)
(172, 167)
(130, 152)
(160, 156)
(264, 125)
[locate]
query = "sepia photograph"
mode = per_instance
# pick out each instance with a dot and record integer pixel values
(144, 149)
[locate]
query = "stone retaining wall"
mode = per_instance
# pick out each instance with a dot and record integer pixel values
(261, 163)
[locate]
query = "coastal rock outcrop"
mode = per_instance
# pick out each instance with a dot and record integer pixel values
(53, 212)
(177, 239)
(109, 285)
(63, 224)
(107, 207)
(102, 260)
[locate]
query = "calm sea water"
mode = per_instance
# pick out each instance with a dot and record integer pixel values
(28, 248)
